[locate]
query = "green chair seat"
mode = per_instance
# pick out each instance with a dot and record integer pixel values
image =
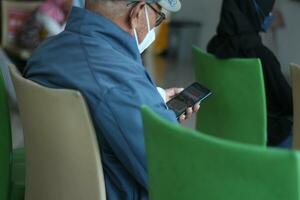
(237, 109)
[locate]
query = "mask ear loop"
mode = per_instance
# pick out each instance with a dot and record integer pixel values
(148, 25)
(134, 29)
(147, 18)
(136, 36)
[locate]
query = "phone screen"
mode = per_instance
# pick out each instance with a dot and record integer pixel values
(190, 96)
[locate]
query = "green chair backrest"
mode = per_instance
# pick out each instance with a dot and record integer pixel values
(185, 164)
(237, 109)
(5, 143)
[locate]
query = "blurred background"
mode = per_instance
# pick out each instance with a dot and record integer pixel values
(25, 24)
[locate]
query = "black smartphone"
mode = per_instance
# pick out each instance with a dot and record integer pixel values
(190, 96)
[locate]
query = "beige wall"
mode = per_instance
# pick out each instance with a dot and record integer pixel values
(288, 38)
(204, 11)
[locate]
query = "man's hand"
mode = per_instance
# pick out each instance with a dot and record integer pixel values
(189, 113)
(171, 93)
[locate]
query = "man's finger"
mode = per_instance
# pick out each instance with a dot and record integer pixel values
(178, 90)
(189, 113)
(196, 108)
(182, 118)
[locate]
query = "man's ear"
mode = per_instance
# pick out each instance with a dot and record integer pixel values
(136, 13)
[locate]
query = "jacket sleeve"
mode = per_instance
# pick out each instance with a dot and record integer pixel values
(121, 124)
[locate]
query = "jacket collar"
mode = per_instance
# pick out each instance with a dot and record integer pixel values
(96, 26)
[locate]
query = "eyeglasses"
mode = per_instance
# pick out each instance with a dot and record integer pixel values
(160, 17)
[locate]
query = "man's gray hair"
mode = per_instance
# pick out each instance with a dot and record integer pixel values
(114, 7)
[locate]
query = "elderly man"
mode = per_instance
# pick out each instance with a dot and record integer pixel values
(99, 55)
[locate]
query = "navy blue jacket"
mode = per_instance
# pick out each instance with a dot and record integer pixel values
(99, 59)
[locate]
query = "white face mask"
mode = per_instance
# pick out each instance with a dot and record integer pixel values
(150, 37)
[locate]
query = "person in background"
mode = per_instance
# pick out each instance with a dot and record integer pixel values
(48, 20)
(99, 54)
(52, 15)
(238, 37)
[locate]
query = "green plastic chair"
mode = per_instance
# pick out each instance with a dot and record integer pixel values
(12, 165)
(185, 164)
(237, 109)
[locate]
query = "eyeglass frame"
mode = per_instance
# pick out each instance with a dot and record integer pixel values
(162, 16)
